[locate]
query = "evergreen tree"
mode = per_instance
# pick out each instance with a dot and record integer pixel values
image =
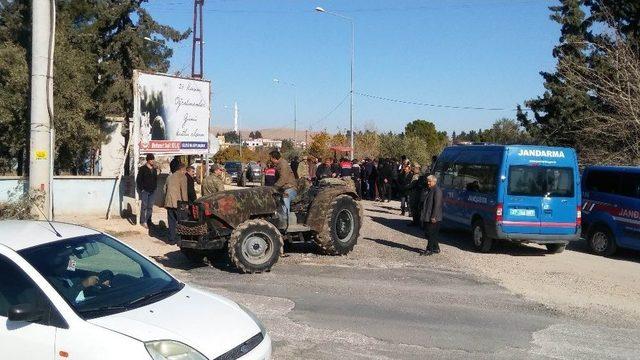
(561, 111)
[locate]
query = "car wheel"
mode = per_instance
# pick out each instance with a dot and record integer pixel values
(255, 246)
(555, 248)
(602, 242)
(481, 241)
(341, 228)
(195, 256)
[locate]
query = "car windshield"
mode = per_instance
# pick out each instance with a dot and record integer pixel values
(540, 181)
(99, 276)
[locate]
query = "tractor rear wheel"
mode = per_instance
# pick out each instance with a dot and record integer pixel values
(255, 246)
(341, 228)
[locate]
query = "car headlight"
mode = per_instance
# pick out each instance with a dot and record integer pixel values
(172, 350)
(253, 317)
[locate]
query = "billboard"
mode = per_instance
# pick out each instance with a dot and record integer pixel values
(172, 114)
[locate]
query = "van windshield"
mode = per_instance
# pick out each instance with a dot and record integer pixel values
(540, 181)
(99, 276)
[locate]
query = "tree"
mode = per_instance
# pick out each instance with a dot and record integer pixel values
(252, 135)
(257, 134)
(367, 144)
(561, 110)
(433, 140)
(231, 137)
(339, 139)
(506, 131)
(232, 153)
(319, 146)
(98, 45)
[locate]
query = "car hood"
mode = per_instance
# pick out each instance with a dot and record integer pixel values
(208, 323)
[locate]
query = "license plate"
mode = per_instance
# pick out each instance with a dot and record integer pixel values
(522, 212)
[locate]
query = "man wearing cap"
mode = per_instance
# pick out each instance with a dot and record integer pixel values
(175, 190)
(286, 182)
(214, 182)
(146, 182)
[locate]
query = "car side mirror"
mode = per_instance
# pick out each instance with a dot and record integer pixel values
(26, 312)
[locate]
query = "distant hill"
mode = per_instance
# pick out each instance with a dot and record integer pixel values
(269, 133)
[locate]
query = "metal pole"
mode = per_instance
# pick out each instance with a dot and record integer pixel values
(41, 69)
(295, 115)
(353, 57)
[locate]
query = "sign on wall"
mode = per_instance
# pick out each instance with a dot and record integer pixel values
(173, 114)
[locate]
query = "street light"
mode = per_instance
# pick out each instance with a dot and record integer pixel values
(295, 105)
(353, 31)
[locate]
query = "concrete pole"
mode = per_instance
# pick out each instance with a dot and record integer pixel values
(40, 153)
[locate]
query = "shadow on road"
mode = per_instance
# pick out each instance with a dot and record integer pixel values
(395, 245)
(460, 239)
(621, 254)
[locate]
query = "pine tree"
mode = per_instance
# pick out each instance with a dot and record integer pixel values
(562, 111)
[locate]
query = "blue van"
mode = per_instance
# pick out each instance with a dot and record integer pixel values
(517, 193)
(611, 208)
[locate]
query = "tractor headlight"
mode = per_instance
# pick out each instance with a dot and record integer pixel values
(253, 317)
(172, 350)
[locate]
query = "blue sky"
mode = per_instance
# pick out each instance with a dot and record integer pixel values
(480, 53)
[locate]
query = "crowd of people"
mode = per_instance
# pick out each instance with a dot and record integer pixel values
(378, 180)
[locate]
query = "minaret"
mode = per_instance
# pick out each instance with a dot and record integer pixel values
(235, 117)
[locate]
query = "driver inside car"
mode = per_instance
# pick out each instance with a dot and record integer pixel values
(61, 277)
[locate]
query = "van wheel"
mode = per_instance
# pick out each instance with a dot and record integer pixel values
(481, 241)
(602, 242)
(255, 246)
(555, 248)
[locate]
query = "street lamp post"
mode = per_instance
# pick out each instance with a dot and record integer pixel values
(295, 105)
(353, 56)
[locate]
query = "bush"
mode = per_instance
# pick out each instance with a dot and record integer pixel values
(22, 206)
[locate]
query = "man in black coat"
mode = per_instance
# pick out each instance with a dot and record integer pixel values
(146, 183)
(431, 215)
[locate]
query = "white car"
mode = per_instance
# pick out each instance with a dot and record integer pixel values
(69, 292)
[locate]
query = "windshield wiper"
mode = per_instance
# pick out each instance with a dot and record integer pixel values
(149, 298)
(104, 310)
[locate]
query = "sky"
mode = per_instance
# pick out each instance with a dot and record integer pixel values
(464, 53)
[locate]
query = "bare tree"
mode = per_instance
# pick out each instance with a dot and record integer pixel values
(611, 133)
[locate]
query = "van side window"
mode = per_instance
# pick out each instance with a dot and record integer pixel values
(480, 178)
(630, 185)
(602, 181)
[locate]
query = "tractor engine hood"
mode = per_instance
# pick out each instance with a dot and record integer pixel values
(237, 206)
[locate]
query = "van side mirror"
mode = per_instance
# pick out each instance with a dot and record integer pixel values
(26, 312)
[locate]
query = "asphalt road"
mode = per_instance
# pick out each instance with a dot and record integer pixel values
(385, 302)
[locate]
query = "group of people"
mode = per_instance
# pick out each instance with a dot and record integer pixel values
(180, 186)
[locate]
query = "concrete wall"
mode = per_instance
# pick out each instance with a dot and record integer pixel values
(81, 195)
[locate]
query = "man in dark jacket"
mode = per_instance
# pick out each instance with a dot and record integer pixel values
(146, 183)
(324, 169)
(191, 183)
(416, 190)
(431, 215)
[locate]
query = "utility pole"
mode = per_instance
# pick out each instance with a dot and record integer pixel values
(40, 149)
(198, 39)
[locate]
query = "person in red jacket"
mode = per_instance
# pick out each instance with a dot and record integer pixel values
(270, 175)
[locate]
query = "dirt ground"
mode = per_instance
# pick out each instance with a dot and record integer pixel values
(575, 282)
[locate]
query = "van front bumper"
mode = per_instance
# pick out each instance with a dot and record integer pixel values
(537, 238)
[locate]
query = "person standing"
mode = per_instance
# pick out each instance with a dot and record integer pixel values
(191, 183)
(173, 165)
(324, 170)
(312, 164)
(416, 190)
(269, 174)
(214, 182)
(404, 181)
(286, 182)
(432, 215)
(175, 189)
(356, 176)
(147, 182)
(294, 166)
